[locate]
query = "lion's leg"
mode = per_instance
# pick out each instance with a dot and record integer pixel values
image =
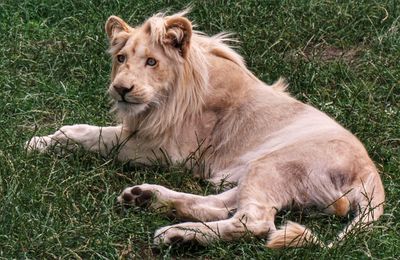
(91, 138)
(257, 207)
(183, 205)
(255, 219)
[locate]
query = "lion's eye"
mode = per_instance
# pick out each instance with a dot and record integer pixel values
(121, 58)
(151, 62)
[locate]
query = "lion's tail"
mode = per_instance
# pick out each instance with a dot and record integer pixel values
(292, 235)
(295, 235)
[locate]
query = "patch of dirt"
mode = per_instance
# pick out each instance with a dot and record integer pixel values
(328, 53)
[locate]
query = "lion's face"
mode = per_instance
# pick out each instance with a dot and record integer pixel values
(142, 73)
(143, 68)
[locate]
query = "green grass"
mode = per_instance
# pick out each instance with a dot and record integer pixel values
(340, 57)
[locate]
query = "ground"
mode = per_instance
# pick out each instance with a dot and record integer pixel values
(54, 69)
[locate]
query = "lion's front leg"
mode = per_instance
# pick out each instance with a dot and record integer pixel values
(89, 137)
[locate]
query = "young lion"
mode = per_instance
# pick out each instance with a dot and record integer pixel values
(181, 93)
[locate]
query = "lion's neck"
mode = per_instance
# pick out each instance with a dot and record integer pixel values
(243, 106)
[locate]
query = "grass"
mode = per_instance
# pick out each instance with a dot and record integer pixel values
(340, 57)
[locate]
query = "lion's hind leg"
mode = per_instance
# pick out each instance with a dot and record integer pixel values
(182, 205)
(255, 215)
(254, 219)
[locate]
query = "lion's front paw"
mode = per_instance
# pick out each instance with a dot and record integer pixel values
(38, 143)
(68, 137)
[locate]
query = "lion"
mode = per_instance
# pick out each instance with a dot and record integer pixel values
(181, 93)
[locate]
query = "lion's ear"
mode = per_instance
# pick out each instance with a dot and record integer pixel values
(115, 25)
(178, 34)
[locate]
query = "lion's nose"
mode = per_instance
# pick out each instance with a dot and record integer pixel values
(122, 91)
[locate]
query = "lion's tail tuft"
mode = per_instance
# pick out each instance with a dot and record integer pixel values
(292, 235)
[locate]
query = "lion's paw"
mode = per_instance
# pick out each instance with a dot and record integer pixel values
(138, 195)
(172, 235)
(67, 137)
(38, 143)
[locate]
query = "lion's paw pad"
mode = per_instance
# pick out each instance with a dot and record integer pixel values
(136, 196)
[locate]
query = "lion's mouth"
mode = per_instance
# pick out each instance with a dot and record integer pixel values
(124, 102)
(130, 107)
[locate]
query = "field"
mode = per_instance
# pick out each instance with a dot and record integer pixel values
(54, 70)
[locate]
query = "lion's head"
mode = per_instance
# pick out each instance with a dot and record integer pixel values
(161, 72)
(151, 62)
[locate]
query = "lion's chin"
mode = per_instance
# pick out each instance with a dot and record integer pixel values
(130, 108)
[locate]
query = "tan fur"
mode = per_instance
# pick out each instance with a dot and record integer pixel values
(341, 207)
(200, 105)
(292, 235)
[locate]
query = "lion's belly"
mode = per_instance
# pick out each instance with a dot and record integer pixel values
(312, 126)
